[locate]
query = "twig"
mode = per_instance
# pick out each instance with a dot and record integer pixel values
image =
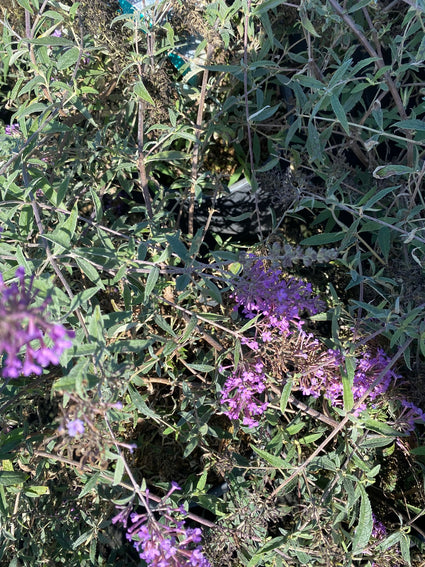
(109, 478)
(140, 132)
(380, 64)
(49, 255)
(197, 144)
(248, 126)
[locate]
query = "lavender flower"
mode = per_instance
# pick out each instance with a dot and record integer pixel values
(379, 531)
(165, 542)
(409, 415)
(368, 369)
(241, 390)
(75, 427)
(321, 372)
(281, 301)
(12, 129)
(23, 325)
(280, 339)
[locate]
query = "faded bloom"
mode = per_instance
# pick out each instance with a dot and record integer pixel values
(75, 427)
(23, 326)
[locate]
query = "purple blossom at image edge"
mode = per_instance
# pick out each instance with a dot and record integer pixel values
(24, 326)
(164, 542)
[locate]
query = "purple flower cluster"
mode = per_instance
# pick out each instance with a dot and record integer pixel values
(379, 531)
(240, 393)
(12, 129)
(23, 325)
(281, 301)
(75, 427)
(368, 369)
(281, 343)
(322, 374)
(166, 542)
(409, 414)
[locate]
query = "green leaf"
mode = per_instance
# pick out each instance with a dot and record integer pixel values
(90, 484)
(382, 428)
(202, 367)
(96, 328)
(271, 545)
(384, 241)
(178, 247)
(36, 107)
(31, 85)
(323, 238)
(119, 471)
(36, 491)
(81, 107)
(264, 113)
(412, 124)
(82, 297)
(151, 282)
(265, 6)
(26, 4)
(140, 404)
(307, 25)
(385, 171)
(418, 450)
(170, 155)
(10, 441)
(365, 523)
(11, 478)
(273, 460)
(373, 441)
(52, 41)
(286, 392)
(142, 92)
(189, 329)
(90, 271)
(64, 233)
(347, 382)
(67, 59)
(405, 547)
(340, 113)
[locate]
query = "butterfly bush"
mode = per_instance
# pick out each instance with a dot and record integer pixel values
(282, 343)
(280, 302)
(28, 340)
(164, 542)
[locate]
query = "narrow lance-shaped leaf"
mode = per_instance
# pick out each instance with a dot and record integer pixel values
(365, 523)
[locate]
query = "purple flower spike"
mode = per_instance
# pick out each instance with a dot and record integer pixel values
(25, 330)
(264, 291)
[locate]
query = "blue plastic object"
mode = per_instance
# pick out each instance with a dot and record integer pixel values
(130, 6)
